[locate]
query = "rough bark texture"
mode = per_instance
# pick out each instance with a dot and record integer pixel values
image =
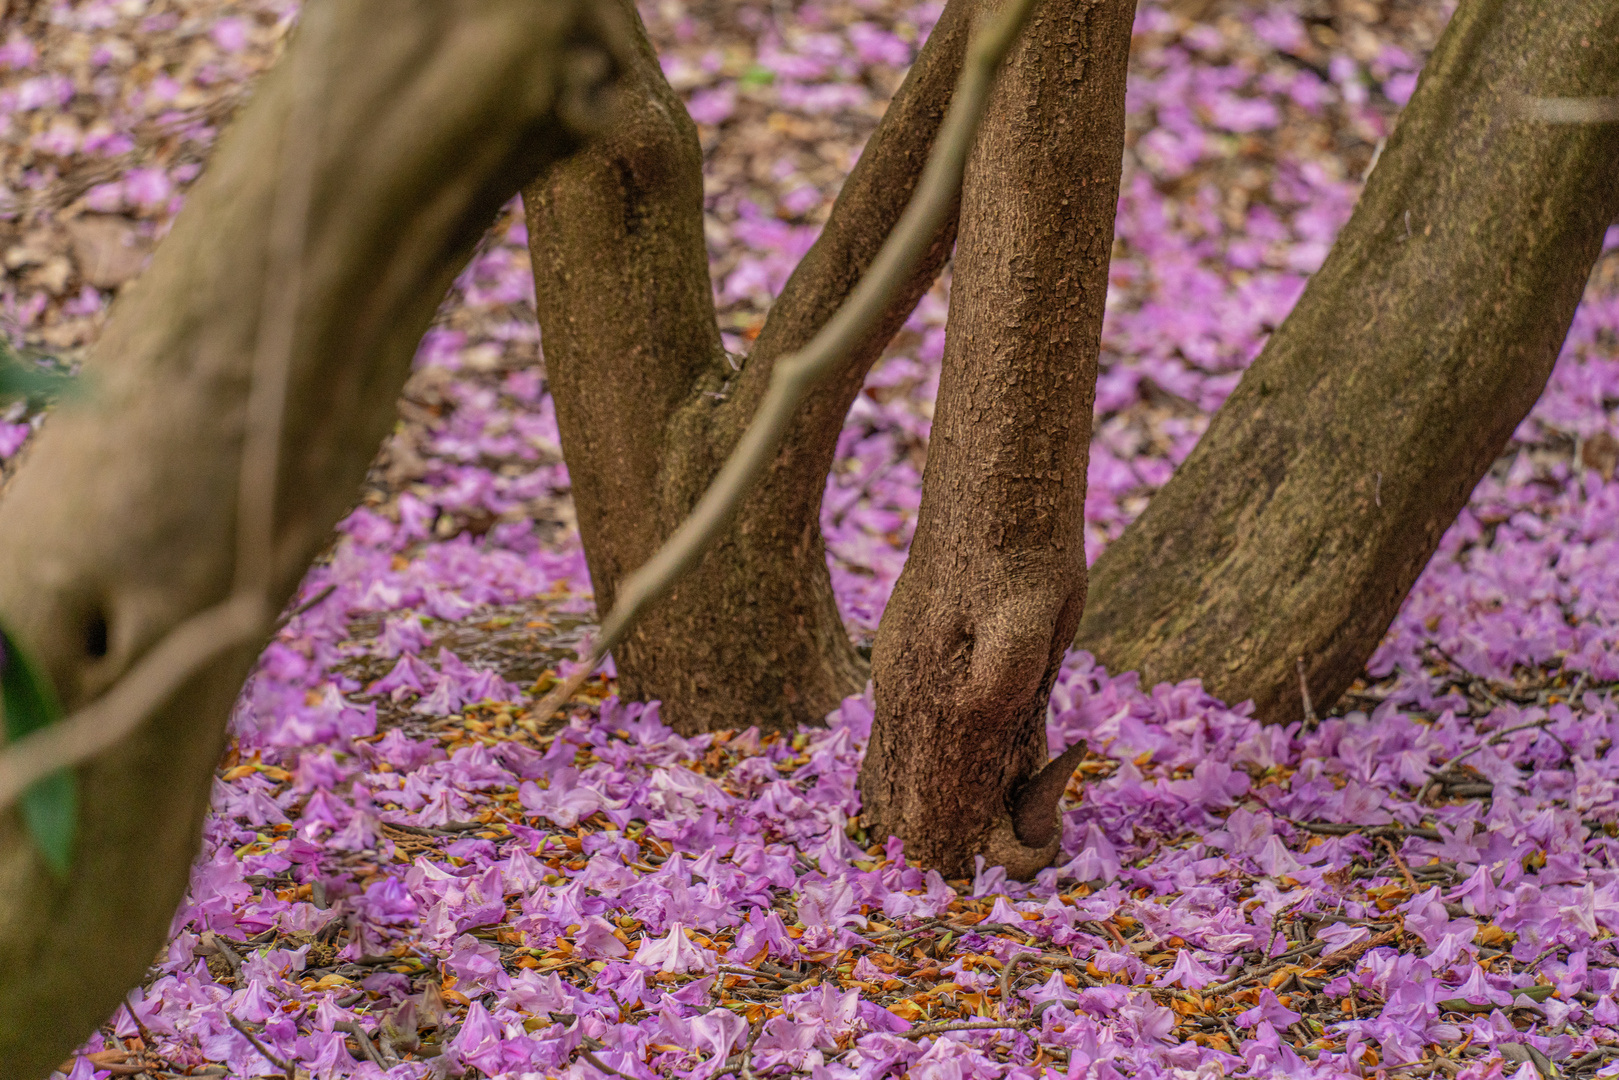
(1323, 486)
(649, 405)
(436, 111)
(995, 582)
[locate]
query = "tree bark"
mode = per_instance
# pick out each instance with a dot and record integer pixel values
(995, 582)
(1323, 487)
(650, 406)
(124, 513)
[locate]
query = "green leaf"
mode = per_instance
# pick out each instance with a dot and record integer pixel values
(24, 377)
(50, 809)
(51, 806)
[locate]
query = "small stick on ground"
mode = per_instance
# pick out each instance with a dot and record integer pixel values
(269, 1055)
(747, 1051)
(1006, 977)
(307, 605)
(1399, 863)
(367, 1048)
(968, 1025)
(222, 947)
(1310, 720)
(753, 973)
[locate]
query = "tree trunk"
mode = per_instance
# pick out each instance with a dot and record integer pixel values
(123, 516)
(995, 582)
(1322, 488)
(649, 405)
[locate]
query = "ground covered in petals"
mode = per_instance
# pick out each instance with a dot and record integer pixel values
(406, 872)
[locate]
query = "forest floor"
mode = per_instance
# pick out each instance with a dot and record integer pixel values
(405, 872)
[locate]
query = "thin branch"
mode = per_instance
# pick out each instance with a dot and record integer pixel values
(97, 727)
(1310, 720)
(1497, 738)
(1375, 832)
(363, 1040)
(1262, 970)
(968, 1025)
(269, 1055)
(197, 642)
(796, 375)
(747, 1051)
(1399, 864)
(308, 605)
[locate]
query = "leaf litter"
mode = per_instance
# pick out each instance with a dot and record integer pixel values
(403, 872)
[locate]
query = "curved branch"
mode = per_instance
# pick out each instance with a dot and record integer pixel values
(797, 375)
(872, 199)
(125, 513)
(184, 652)
(1325, 483)
(649, 405)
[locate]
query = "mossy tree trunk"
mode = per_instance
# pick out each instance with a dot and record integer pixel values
(649, 405)
(123, 515)
(1323, 486)
(995, 582)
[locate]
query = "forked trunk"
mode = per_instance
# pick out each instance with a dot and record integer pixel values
(995, 581)
(649, 405)
(1323, 486)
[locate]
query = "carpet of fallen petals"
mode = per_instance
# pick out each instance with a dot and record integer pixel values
(405, 872)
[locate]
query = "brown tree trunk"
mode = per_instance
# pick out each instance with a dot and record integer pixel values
(995, 582)
(1323, 486)
(123, 516)
(649, 405)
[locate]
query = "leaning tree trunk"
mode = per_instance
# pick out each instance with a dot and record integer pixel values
(995, 582)
(1324, 485)
(433, 113)
(650, 406)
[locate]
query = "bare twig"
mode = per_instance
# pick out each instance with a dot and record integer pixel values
(186, 650)
(586, 1052)
(367, 1050)
(757, 1027)
(269, 1055)
(1399, 863)
(199, 640)
(1310, 720)
(969, 1025)
(1496, 740)
(1037, 1014)
(1274, 965)
(222, 947)
(751, 973)
(1376, 832)
(797, 374)
(309, 605)
(1006, 977)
